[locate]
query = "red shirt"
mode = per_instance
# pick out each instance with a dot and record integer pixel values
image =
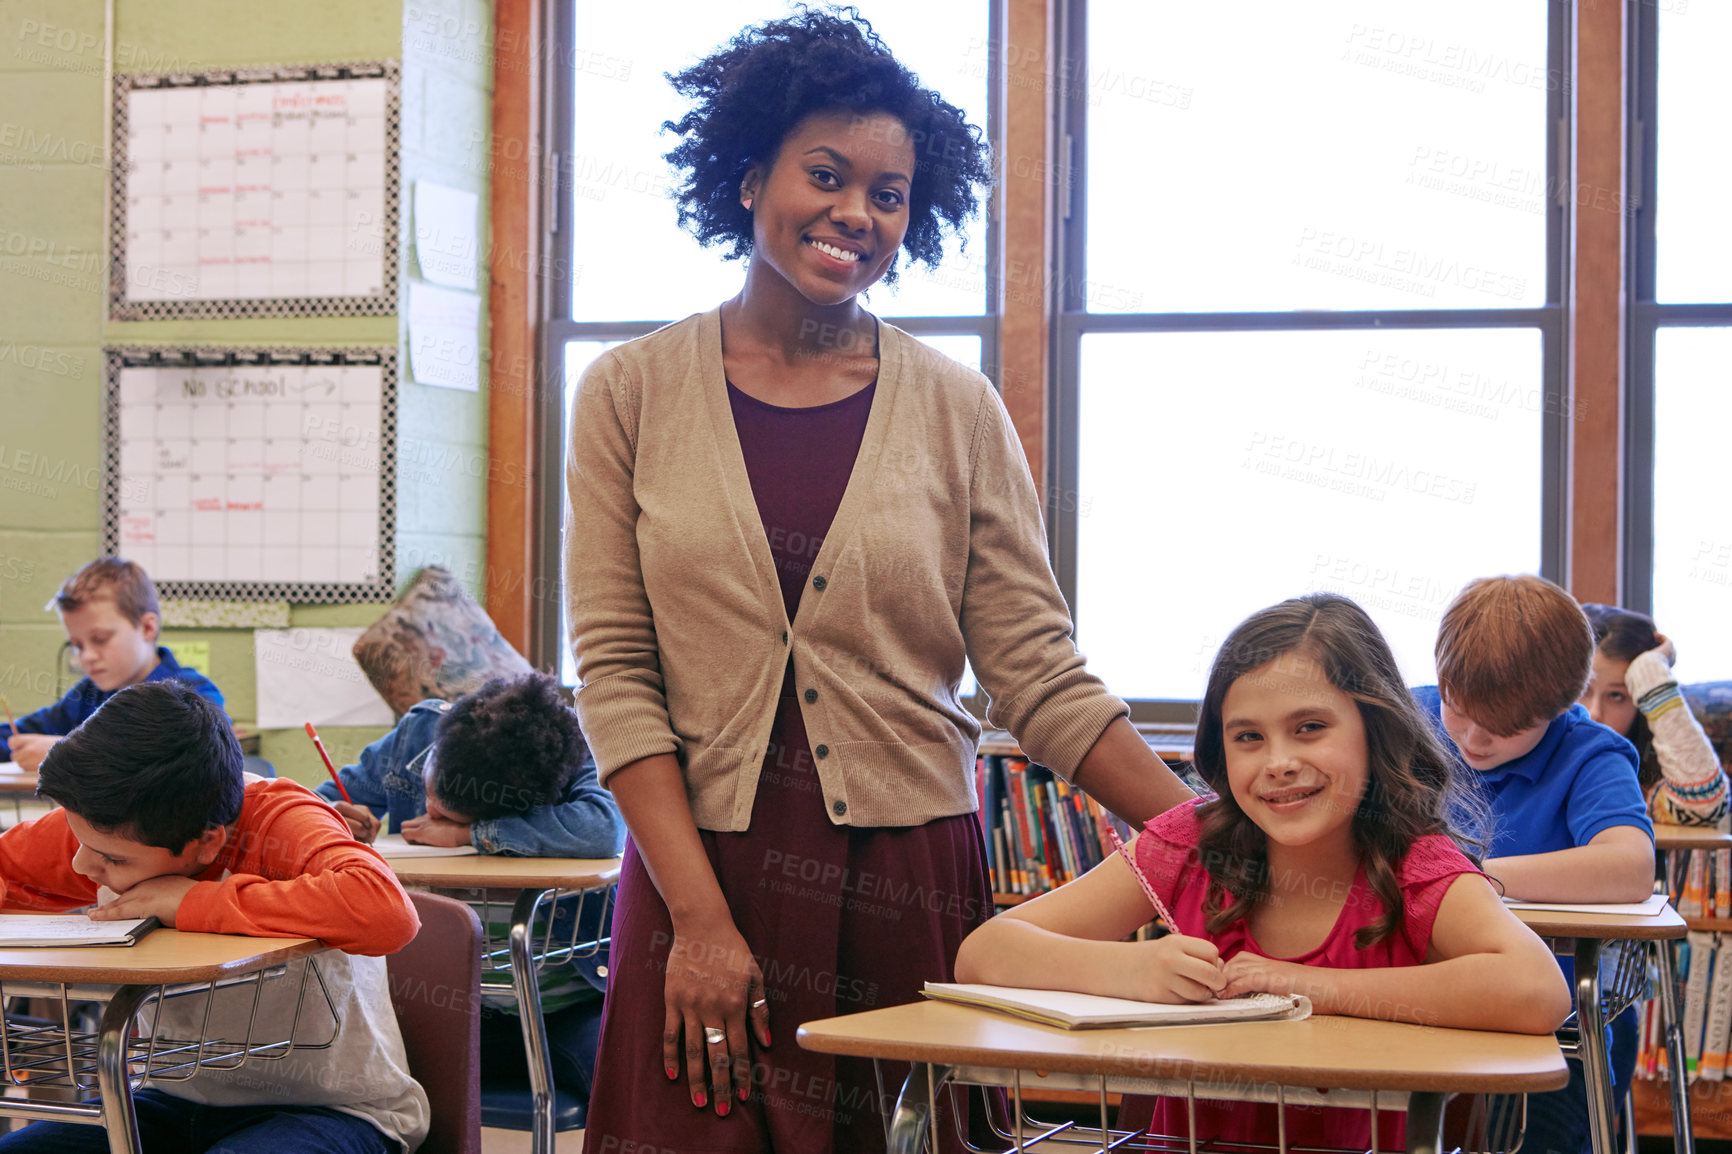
(1167, 855)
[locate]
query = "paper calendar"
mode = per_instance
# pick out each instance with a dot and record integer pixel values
(249, 473)
(265, 193)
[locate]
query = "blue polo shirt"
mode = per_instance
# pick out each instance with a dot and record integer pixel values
(85, 698)
(1579, 780)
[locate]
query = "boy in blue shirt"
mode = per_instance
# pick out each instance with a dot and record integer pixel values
(1569, 822)
(504, 769)
(111, 615)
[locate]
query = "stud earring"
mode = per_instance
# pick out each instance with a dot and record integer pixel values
(747, 203)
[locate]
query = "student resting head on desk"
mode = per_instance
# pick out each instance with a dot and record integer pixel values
(1633, 692)
(1569, 822)
(505, 769)
(110, 612)
(1325, 865)
(157, 812)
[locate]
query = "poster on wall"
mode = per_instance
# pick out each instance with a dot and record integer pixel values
(263, 192)
(254, 474)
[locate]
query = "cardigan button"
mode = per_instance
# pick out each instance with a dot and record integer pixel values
(822, 751)
(811, 696)
(840, 808)
(818, 583)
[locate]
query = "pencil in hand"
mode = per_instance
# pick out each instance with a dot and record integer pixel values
(329, 768)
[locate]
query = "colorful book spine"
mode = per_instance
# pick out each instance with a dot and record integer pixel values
(1701, 971)
(1723, 883)
(1719, 1022)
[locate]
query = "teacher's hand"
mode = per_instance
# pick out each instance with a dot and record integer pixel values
(713, 987)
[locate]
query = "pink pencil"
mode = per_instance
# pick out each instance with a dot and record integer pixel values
(1161, 912)
(332, 770)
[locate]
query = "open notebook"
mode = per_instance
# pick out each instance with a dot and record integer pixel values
(1652, 907)
(1093, 1012)
(392, 845)
(50, 930)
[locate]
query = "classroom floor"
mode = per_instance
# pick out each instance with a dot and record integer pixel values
(517, 1141)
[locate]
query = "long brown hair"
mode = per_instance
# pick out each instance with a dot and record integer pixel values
(1411, 789)
(1624, 635)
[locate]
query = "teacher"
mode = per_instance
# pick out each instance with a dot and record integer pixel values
(790, 525)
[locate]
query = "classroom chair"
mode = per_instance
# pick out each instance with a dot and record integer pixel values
(435, 981)
(254, 764)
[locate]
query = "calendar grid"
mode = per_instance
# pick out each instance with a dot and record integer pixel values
(279, 195)
(254, 473)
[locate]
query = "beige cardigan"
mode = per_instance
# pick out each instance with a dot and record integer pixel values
(936, 553)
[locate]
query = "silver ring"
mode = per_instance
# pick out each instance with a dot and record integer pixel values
(714, 1036)
(759, 1002)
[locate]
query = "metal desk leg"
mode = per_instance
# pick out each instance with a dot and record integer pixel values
(112, 1082)
(1596, 1061)
(909, 1122)
(1425, 1122)
(528, 990)
(1679, 1083)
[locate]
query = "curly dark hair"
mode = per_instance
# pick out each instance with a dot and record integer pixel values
(751, 93)
(1411, 790)
(506, 748)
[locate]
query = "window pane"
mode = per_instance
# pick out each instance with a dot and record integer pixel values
(578, 355)
(632, 261)
(1222, 472)
(964, 349)
(1336, 154)
(1692, 531)
(1692, 169)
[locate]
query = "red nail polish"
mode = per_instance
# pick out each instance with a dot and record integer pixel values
(723, 1106)
(766, 1037)
(672, 1073)
(743, 1092)
(699, 1100)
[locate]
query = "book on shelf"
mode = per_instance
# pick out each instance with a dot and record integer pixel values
(1072, 1011)
(49, 931)
(1040, 832)
(1718, 1019)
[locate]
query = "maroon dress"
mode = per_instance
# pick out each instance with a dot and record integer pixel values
(840, 919)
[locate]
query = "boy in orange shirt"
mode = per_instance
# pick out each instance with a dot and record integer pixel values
(158, 819)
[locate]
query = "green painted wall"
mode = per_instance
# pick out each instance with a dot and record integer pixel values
(53, 325)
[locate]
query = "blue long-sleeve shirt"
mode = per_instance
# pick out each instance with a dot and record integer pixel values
(388, 780)
(585, 822)
(85, 698)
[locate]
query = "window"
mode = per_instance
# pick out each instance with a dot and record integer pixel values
(1679, 556)
(622, 265)
(1310, 332)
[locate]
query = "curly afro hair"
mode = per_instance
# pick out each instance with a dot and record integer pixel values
(508, 747)
(750, 94)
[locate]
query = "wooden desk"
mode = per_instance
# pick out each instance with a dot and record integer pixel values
(1670, 837)
(537, 881)
(122, 1053)
(1352, 1057)
(1585, 936)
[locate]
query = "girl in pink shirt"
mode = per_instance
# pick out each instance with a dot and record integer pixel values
(1325, 865)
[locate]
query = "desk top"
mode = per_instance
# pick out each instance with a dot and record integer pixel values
(15, 782)
(1669, 836)
(1336, 1052)
(1566, 924)
(486, 870)
(161, 957)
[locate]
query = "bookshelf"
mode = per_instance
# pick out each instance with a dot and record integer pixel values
(1710, 1101)
(1039, 831)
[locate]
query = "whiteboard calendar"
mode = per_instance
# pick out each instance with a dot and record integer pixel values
(254, 473)
(248, 194)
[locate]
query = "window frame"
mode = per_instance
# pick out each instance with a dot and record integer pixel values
(1646, 314)
(1072, 321)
